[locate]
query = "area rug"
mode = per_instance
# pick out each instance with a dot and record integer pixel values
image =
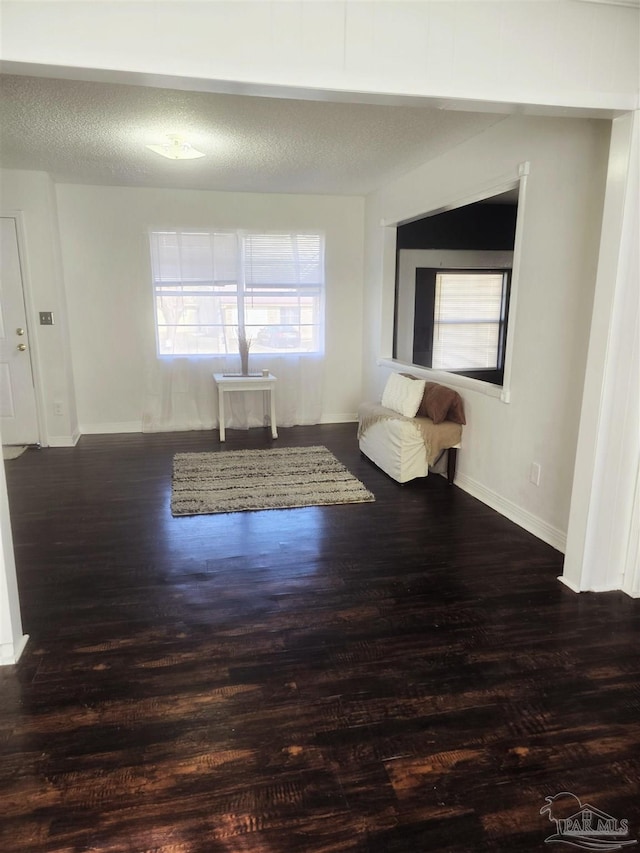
(238, 480)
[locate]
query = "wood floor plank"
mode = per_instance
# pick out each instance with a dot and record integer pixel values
(392, 677)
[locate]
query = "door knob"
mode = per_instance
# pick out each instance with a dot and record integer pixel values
(22, 347)
(19, 331)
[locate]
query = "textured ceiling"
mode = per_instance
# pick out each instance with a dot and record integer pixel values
(95, 133)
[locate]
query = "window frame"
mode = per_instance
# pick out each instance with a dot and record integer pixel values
(387, 356)
(493, 375)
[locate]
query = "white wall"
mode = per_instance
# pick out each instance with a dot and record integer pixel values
(567, 53)
(562, 216)
(104, 238)
(32, 193)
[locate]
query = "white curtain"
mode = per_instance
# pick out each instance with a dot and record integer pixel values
(181, 392)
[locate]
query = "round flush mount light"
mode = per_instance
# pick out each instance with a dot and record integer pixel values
(176, 147)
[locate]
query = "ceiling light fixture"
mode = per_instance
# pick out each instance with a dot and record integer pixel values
(176, 148)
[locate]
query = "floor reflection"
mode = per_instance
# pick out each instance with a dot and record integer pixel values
(247, 562)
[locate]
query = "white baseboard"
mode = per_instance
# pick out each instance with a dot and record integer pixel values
(10, 652)
(136, 426)
(342, 418)
(63, 440)
(568, 583)
(522, 517)
(111, 428)
(574, 588)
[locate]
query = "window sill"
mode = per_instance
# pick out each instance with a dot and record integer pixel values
(452, 379)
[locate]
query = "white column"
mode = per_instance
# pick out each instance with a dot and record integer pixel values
(631, 581)
(602, 538)
(12, 640)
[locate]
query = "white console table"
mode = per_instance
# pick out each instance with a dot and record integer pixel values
(226, 383)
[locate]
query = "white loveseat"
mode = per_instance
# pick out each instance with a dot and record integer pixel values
(411, 428)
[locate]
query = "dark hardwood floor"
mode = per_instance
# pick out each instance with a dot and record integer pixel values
(391, 677)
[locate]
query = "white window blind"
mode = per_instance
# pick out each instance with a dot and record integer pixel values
(469, 313)
(283, 260)
(207, 285)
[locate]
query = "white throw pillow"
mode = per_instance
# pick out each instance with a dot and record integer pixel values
(403, 395)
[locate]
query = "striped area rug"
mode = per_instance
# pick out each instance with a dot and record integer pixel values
(237, 480)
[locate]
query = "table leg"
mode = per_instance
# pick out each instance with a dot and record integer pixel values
(221, 412)
(274, 429)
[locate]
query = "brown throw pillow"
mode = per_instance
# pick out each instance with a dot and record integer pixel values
(456, 410)
(435, 402)
(441, 404)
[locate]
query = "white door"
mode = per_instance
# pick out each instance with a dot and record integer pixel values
(18, 413)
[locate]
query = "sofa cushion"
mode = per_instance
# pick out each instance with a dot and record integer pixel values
(403, 395)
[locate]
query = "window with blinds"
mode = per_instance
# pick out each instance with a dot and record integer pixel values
(468, 320)
(208, 285)
(460, 321)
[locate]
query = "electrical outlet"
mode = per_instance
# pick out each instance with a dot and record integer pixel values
(57, 408)
(534, 474)
(46, 318)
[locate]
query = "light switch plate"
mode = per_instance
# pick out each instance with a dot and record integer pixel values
(46, 318)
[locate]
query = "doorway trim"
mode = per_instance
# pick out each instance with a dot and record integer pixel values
(23, 257)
